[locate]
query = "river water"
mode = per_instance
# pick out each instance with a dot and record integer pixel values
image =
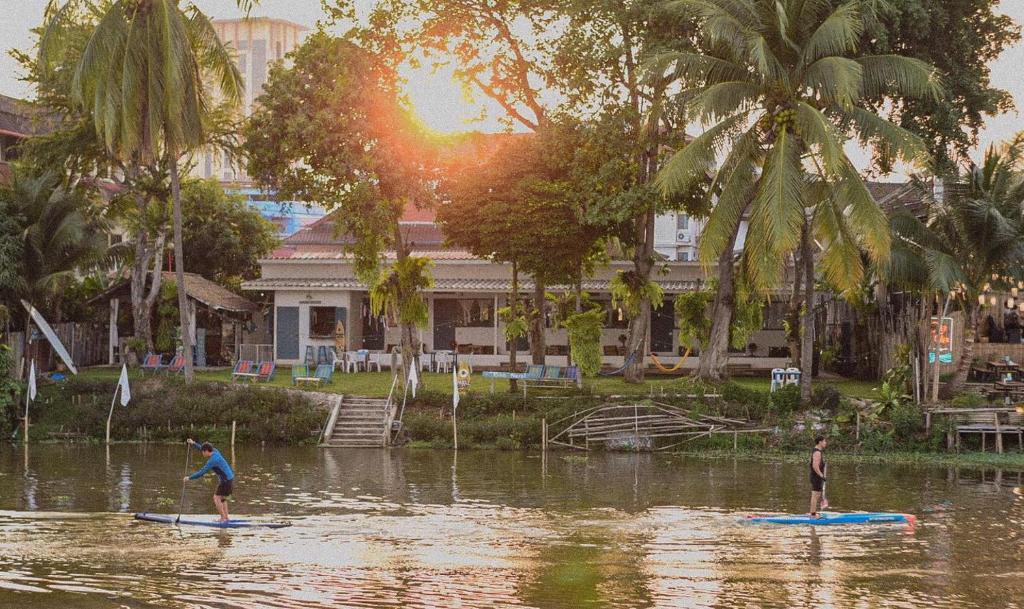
(421, 528)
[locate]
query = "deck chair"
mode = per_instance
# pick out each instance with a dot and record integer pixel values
(323, 356)
(324, 372)
(177, 365)
(310, 359)
(242, 367)
(152, 362)
(299, 371)
(265, 372)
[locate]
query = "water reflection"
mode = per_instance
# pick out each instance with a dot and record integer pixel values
(375, 528)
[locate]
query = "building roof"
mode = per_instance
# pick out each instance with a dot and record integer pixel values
(913, 196)
(298, 26)
(22, 119)
(197, 288)
(449, 285)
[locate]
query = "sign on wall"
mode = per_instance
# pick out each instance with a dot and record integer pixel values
(942, 340)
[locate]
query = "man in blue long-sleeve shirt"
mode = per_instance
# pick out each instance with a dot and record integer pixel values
(217, 464)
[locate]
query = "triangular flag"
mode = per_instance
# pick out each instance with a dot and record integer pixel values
(32, 381)
(414, 379)
(455, 390)
(122, 383)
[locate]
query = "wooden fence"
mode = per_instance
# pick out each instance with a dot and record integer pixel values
(87, 343)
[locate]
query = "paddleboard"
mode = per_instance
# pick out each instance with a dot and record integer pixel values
(230, 524)
(835, 518)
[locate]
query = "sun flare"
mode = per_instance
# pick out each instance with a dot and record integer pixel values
(439, 101)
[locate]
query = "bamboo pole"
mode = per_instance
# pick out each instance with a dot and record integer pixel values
(110, 415)
(233, 433)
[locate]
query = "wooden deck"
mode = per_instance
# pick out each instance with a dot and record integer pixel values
(995, 422)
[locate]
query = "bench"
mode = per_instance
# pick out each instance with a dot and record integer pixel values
(996, 422)
(554, 377)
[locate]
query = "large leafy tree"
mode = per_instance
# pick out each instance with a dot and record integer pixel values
(146, 77)
(784, 87)
(225, 238)
(520, 207)
(333, 129)
(960, 38)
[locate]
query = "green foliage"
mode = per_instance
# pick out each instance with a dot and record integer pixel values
(691, 310)
(398, 291)
(223, 236)
(170, 409)
(516, 325)
(10, 389)
(167, 318)
(630, 292)
(898, 377)
(585, 339)
(786, 399)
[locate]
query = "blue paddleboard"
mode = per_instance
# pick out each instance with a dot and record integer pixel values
(833, 518)
(231, 524)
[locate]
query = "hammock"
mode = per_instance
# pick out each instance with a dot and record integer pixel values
(673, 369)
(629, 362)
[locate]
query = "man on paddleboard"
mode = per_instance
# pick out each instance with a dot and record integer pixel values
(218, 465)
(817, 473)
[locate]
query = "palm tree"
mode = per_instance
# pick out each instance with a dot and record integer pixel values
(783, 88)
(972, 241)
(142, 79)
(54, 237)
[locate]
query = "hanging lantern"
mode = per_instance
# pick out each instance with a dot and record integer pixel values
(620, 314)
(995, 276)
(981, 299)
(1013, 292)
(1009, 303)
(992, 301)
(1020, 307)
(987, 287)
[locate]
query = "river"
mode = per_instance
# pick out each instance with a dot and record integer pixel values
(422, 528)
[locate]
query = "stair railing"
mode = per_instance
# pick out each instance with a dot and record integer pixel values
(392, 410)
(332, 420)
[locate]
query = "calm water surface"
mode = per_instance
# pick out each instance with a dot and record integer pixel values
(404, 528)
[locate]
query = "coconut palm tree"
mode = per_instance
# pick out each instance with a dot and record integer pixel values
(52, 236)
(143, 78)
(782, 88)
(972, 241)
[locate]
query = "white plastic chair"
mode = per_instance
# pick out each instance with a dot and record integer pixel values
(793, 376)
(373, 359)
(443, 361)
(351, 361)
(778, 378)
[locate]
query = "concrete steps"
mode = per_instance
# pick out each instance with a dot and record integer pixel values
(357, 422)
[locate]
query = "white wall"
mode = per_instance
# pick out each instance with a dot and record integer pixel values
(304, 300)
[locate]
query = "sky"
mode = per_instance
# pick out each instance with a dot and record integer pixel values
(440, 101)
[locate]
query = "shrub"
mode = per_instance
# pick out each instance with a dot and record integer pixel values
(827, 398)
(786, 399)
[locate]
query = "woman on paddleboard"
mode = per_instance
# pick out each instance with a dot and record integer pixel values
(817, 473)
(219, 466)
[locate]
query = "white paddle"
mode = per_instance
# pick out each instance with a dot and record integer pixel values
(824, 485)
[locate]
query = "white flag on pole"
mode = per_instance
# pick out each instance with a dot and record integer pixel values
(414, 378)
(122, 383)
(455, 390)
(32, 381)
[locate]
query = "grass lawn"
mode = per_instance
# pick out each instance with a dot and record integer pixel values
(378, 383)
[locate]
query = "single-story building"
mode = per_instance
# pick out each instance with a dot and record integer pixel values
(314, 288)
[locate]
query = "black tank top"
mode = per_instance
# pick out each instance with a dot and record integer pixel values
(814, 474)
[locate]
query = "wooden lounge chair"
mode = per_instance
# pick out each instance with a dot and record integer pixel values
(153, 362)
(299, 371)
(177, 365)
(243, 370)
(324, 372)
(265, 372)
(554, 377)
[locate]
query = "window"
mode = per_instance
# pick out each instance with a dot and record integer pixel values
(321, 322)
(682, 222)
(616, 317)
(684, 256)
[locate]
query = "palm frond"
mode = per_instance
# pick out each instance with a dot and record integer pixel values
(889, 74)
(695, 160)
(837, 35)
(837, 80)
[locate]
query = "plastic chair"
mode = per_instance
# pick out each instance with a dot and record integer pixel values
(778, 378)
(443, 361)
(322, 355)
(793, 376)
(310, 360)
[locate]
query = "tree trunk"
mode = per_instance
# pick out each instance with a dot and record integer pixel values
(538, 345)
(807, 323)
(513, 346)
(935, 372)
(643, 264)
(967, 353)
(179, 269)
(714, 359)
(793, 317)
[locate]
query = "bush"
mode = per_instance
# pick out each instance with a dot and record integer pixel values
(827, 398)
(169, 409)
(786, 399)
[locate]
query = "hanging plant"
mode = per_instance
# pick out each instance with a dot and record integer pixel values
(585, 339)
(398, 290)
(629, 291)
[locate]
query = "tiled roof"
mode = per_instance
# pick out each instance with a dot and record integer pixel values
(423, 234)
(21, 118)
(912, 196)
(445, 285)
(321, 252)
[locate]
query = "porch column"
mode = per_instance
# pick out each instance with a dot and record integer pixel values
(113, 331)
(496, 324)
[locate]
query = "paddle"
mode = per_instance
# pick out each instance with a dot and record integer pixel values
(824, 485)
(181, 503)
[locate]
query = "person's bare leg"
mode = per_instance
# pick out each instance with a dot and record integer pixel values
(222, 507)
(815, 499)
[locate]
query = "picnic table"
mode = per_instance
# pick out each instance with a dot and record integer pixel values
(1003, 366)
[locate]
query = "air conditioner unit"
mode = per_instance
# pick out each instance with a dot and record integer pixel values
(683, 236)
